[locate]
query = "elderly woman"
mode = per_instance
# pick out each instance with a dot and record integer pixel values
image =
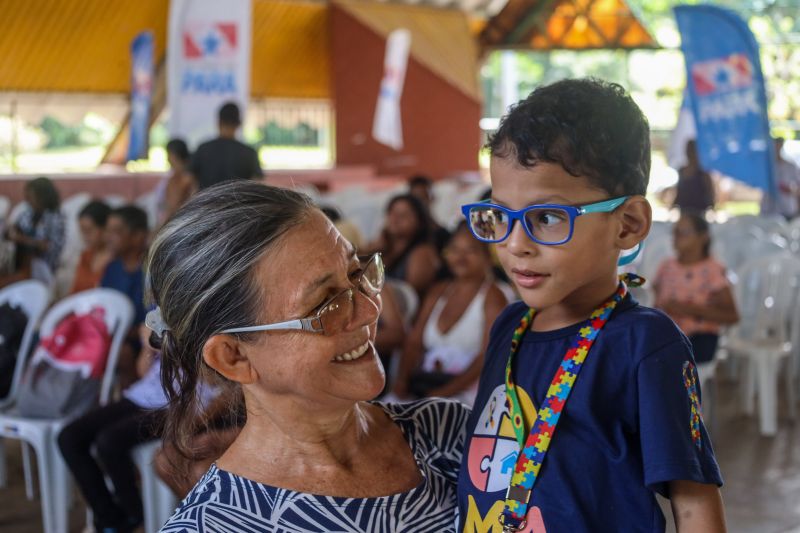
(257, 289)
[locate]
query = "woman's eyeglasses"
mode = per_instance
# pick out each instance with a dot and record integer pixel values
(549, 224)
(335, 313)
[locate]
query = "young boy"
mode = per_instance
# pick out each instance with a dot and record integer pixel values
(126, 233)
(617, 380)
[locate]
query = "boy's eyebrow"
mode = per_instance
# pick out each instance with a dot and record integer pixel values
(552, 199)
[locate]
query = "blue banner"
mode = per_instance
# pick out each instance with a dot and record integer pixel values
(726, 91)
(141, 95)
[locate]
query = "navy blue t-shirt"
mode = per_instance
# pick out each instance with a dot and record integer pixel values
(129, 283)
(628, 428)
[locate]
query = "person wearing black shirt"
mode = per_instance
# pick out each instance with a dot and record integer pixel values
(225, 158)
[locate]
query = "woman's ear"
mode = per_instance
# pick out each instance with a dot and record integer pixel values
(636, 217)
(223, 353)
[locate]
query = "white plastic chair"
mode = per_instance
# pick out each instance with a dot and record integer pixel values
(407, 299)
(32, 297)
(408, 303)
(767, 300)
(157, 498)
(41, 434)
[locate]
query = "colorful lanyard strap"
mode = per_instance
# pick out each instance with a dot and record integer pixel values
(534, 449)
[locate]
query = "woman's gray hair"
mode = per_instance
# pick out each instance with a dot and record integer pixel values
(201, 269)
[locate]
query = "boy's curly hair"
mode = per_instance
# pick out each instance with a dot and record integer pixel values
(590, 127)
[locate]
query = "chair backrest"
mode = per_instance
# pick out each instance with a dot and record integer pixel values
(407, 299)
(118, 317)
(767, 295)
(32, 297)
(5, 206)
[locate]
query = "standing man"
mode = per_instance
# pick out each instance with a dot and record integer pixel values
(225, 158)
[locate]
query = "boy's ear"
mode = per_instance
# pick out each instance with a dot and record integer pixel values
(223, 353)
(636, 217)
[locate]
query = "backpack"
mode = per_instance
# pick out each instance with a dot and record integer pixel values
(12, 326)
(64, 375)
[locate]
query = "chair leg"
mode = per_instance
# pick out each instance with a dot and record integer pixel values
(27, 470)
(3, 467)
(766, 368)
(60, 488)
(45, 483)
(791, 396)
(747, 375)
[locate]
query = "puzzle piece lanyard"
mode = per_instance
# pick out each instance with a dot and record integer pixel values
(534, 449)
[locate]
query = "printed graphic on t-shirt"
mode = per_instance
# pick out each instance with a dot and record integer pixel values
(690, 382)
(493, 451)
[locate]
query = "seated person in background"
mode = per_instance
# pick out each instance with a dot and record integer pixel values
(348, 230)
(127, 238)
(39, 234)
(405, 244)
(421, 187)
(110, 433)
(692, 288)
(443, 355)
(96, 254)
(176, 188)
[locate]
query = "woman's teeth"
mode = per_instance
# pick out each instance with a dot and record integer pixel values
(354, 354)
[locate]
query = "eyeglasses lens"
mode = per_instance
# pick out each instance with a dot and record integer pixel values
(335, 316)
(488, 223)
(549, 226)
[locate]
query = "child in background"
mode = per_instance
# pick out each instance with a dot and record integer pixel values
(692, 288)
(127, 238)
(96, 254)
(38, 233)
(569, 168)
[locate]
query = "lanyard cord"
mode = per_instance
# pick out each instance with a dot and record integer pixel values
(534, 449)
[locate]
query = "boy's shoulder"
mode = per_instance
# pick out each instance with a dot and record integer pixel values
(636, 329)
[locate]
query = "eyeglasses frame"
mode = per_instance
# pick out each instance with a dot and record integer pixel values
(605, 206)
(313, 324)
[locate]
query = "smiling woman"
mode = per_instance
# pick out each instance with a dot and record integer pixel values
(258, 293)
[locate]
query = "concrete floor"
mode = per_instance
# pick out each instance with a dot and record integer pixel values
(761, 492)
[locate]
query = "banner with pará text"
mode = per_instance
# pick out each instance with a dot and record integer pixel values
(726, 91)
(208, 64)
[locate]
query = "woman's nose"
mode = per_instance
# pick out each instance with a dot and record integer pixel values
(366, 309)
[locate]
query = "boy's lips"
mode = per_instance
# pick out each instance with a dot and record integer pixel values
(528, 279)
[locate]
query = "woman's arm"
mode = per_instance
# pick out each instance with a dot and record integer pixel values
(423, 263)
(696, 507)
(413, 349)
(493, 304)
(721, 308)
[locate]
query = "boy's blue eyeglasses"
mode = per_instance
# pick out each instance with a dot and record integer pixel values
(548, 224)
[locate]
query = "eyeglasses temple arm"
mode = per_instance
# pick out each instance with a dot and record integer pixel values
(605, 206)
(303, 323)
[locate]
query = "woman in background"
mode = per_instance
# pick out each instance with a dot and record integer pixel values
(692, 288)
(443, 355)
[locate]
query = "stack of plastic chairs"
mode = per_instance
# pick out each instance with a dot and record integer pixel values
(768, 300)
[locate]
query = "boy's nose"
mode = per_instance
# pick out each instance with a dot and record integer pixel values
(518, 242)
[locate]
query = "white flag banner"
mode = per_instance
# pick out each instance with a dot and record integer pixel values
(387, 127)
(208, 64)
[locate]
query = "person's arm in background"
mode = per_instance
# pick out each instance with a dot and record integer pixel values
(414, 349)
(492, 306)
(696, 507)
(423, 263)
